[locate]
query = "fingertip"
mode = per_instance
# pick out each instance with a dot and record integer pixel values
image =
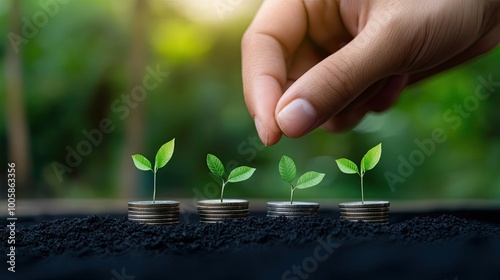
(297, 118)
(273, 138)
(267, 136)
(261, 130)
(261, 97)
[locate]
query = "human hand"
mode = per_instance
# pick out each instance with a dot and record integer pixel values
(311, 63)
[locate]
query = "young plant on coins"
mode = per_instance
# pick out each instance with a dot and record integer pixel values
(288, 172)
(214, 210)
(154, 212)
(367, 211)
(238, 174)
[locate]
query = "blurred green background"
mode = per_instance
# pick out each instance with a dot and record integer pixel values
(78, 59)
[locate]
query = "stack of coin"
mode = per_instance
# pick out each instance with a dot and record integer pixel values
(368, 212)
(213, 210)
(165, 212)
(292, 210)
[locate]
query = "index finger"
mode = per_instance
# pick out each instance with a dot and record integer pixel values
(275, 33)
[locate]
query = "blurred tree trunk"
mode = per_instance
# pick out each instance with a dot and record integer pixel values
(17, 127)
(134, 123)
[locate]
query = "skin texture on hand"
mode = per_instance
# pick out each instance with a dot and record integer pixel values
(312, 63)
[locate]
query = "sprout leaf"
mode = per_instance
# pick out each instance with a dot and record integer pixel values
(347, 166)
(141, 162)
(371, 158)
(241, 173)
(309, 179)
(164, 154)
(287, 169)
(215, 165)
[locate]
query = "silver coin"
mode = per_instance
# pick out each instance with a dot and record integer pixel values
(369, 211)
(157, 203)
(366, 204)
(211, 217)
(155, 219)
(170, 213)
(223, 210)
(153, 216)
(166, 209)
(298, 204)
(382, 222)
(204, 220)
(218, 211)
(154, 212)
(155, 206)
(292, 212)
(232, 207)
(224, 203)
(167, 214)
(355, 210)
(279, 209)
(222, 216)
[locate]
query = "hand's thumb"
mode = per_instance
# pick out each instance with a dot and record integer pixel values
(331, 85)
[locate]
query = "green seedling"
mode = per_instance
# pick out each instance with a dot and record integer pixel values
(368, 162)
(163, 155)
(288, 172)
(238, 174)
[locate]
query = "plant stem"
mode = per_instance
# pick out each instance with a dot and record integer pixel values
(291, 194)
(222, 192)
(362, 194)
(154, 187)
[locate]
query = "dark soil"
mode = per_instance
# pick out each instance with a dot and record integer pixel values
(95, 247)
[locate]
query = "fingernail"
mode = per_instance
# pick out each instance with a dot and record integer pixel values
(297, 118)
(261, 131)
